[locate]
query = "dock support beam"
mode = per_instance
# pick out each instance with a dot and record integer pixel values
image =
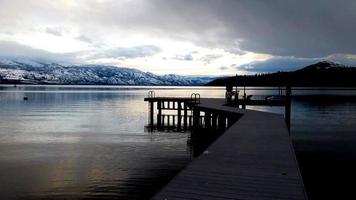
(213, 120)
(221, 123)
(207, 120)
(151, 113)
(179, 121)
(196, 117)
(185, 120)
(288, 106)
(243, 106)
(159, 115)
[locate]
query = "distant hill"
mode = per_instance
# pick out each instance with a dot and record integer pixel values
(27, 71)
(320, 74)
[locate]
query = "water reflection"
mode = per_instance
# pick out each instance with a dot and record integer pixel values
(85, 142)
(89, 142)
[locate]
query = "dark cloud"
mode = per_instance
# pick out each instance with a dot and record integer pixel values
(280, 63)
(300, 28)
(277, 64)
(292, 31)
(279, 27)
(349, 60)
(13, 49)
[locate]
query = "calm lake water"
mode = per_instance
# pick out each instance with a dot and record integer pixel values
(82, 142)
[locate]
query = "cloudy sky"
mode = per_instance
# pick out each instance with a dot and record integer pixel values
(207, 37)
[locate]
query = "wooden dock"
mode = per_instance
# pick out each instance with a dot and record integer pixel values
(169, 103)
(253, 159)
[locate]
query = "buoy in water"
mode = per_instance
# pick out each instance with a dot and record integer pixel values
(25, 98)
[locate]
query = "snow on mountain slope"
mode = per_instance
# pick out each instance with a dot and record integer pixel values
(34, 72)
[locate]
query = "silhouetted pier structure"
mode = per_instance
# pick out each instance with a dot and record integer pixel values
(283, 99)
(187, 114)
(252, 159)
(176, 104)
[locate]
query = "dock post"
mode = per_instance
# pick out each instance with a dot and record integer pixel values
(213, 119)
(159, 115)
(185, 115)
(221, 123)
(288, 105)
(173, 121)
(196, 117)
(151, 113)
(229, 93)
(243, 106)
(179, 121)
(237, 99)
(207, 119)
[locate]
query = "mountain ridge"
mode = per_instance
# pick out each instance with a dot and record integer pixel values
(323, 73)
(28, 71)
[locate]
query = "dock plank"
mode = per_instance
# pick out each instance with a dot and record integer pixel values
(253, 159)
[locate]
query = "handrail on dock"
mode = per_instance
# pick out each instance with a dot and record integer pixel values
(151, 94)
(196, 97)
(179, 104)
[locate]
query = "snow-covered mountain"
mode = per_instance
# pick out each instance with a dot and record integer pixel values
(28, 71)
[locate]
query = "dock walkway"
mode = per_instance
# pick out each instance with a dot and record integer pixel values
(253, 159)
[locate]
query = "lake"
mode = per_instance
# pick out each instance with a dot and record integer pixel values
(83, 142)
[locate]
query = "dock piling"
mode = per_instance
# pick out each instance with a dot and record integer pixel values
(221, 123)
(185, 120)
(196, 118)
(151, 113)
(213, 120)
(207, 119)
(288, 106)
(179, 114)
(159, 115)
